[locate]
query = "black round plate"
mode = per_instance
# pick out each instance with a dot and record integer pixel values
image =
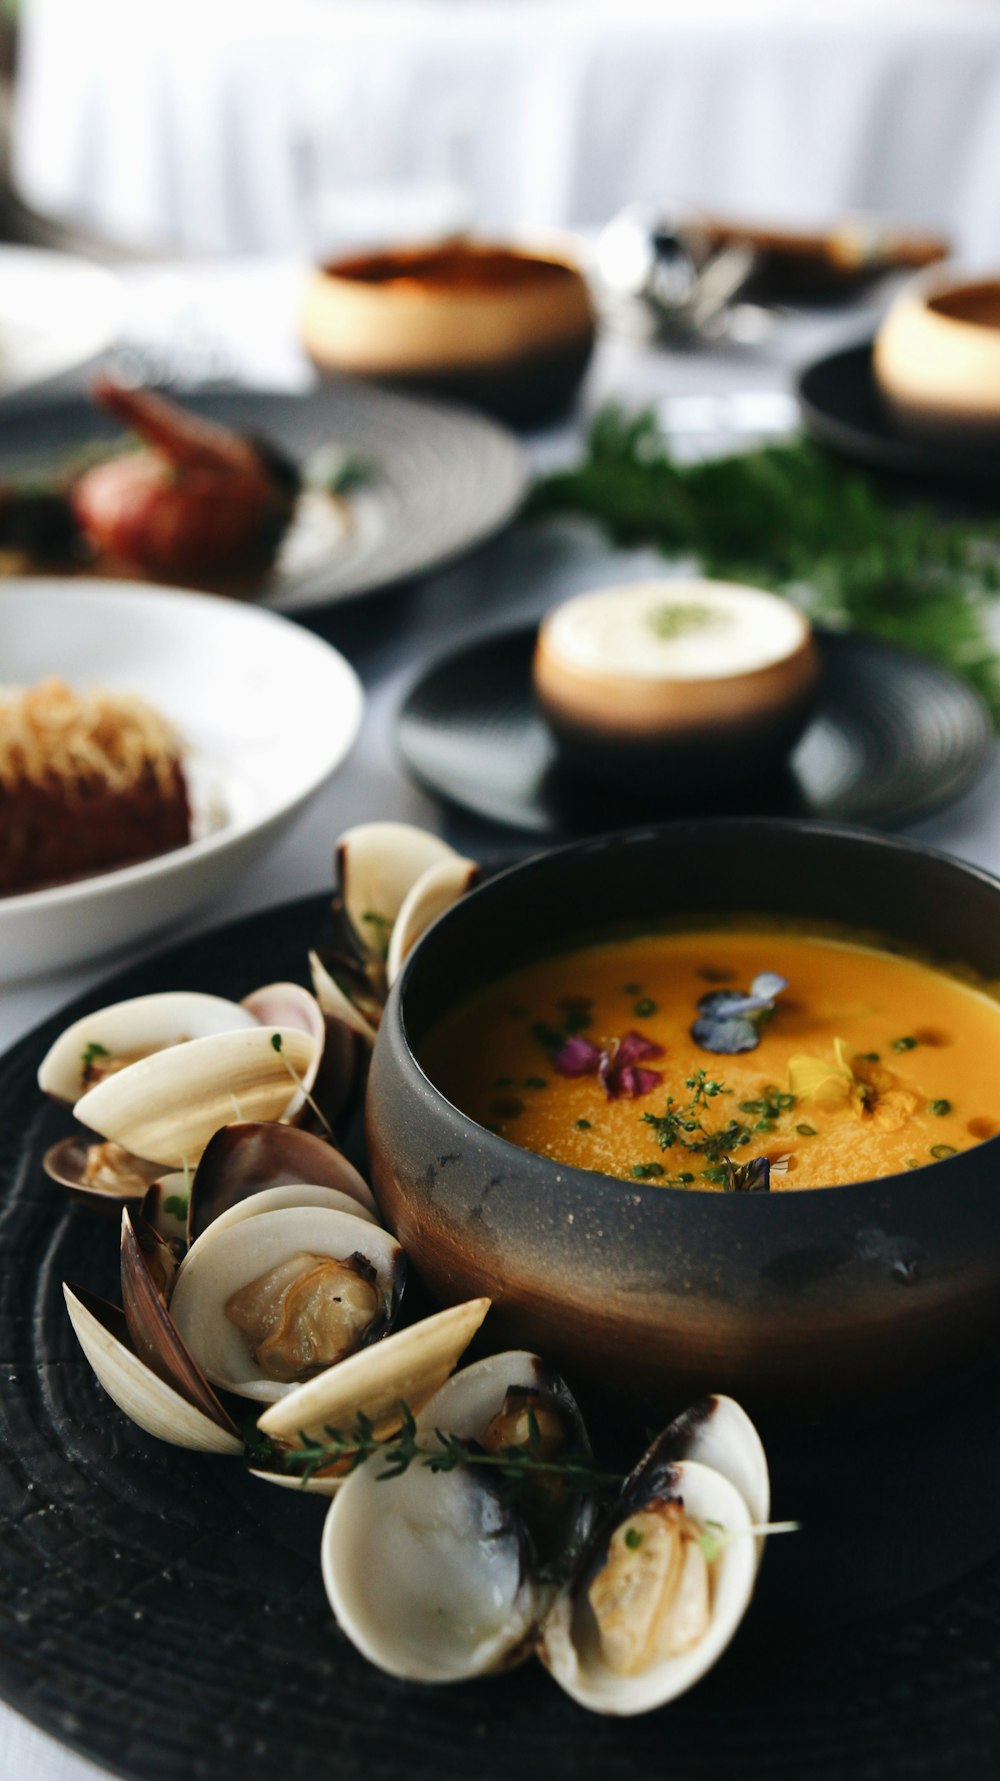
(895, 736)
(842, 407)
(163, 1612)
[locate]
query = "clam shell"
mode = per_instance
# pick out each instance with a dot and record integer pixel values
(167, 1107)
(434, 892)
(289, 1005)
(137, 1027)
(405, 1368)
(431, 1575)
(570, 1646)
(717, 1432)
(335, 1004)
(221, 1263)
(148, 1270)
(377, 864)
(145, 1399)
(277, 1199)
(246, 1156)
(129, 1179)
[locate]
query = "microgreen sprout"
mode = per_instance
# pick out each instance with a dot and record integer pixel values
(276, 1045)
(714, 1538)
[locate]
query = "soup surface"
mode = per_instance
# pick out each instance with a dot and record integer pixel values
(866, 1064)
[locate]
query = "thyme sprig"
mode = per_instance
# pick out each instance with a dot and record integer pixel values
(515, 1468)
(792, 518)
(685, 1125)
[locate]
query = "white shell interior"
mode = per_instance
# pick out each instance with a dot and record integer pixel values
(434, 892)
(571, 1644)
(276, 1199)
(136, 1027)
(144, 1397)
(379, 862)
(407, 1367)
(334, 1003)
(167, 1106)
(220, 1263)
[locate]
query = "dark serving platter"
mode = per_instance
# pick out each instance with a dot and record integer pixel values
(163, 1613)
(894, 737)
(842, 407)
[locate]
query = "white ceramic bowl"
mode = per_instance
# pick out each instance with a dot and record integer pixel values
(266, 710)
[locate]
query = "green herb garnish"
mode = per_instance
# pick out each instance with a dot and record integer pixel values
(633, 1538)
(906, 1044)
(347, 1449)
(647, 1171)
(175, 1207)
(91, 1052)
(645, 1007)
(535, 1082)
(583, 1125)
(806, 1131)
(675, 619)
(940, 1108)
(277, 1045)
(940, 1150)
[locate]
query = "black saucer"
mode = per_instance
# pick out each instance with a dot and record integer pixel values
(842, 407)
(895, 736)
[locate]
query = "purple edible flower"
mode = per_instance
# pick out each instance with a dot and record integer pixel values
(617, 1065)
(578, 1057)
(729, 1019)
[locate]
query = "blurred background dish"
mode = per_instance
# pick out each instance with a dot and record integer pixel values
(844, 409)
(57, 313)
(419, 482)
(937, 362)
(894, 736)
(504, 328)
(265, 713)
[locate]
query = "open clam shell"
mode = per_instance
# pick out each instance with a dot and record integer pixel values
(166, 1107)
(247, 1156)
(404, 1369)
(166, 1205)
(148, 1271)
(434, 892)
(377, 864)
(434, 1575)
(97, 1043)
(223, 1263)
(99, 1171)
(144, 1397)
(717, 1432)
(284, 1005)
(338, 1005)
(572, 1647)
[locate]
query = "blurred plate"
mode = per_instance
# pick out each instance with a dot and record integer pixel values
(56, 313)
(842, 407)
(441, 480)
(267, 711)
(894, 737)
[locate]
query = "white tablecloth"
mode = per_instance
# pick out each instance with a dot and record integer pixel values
(257, 125)
(705, 397)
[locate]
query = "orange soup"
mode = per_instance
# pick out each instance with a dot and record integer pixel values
(863, 1063)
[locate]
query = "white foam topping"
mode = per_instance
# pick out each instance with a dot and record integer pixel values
(677, 630)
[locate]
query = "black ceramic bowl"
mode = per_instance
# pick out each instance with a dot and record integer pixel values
(800, 1301)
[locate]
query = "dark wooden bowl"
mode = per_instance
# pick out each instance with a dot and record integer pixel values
(803, 1302)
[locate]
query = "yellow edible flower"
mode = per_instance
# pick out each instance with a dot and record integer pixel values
(819, 1079)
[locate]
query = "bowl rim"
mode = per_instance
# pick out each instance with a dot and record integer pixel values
(791, 1204)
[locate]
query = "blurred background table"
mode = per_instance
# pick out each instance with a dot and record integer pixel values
(247, 125)
(180, 321)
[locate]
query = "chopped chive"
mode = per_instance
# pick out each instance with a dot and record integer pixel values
(764, 1125)
(911, 1162)
(684, 1178)
(583, 1125)
(645, 1007)
(632, 989)
(940, 1150)
(907, 1044)
(806, 1131)
(646, 1171)
(535, 1082)
(503, 1082)
(868, 1057)
(633, 1538)
(940, 1107)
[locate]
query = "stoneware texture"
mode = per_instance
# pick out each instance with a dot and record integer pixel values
(801, 1301)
